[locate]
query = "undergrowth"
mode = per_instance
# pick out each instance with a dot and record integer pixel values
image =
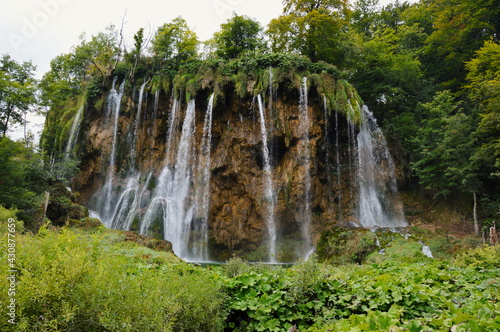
(93, 280)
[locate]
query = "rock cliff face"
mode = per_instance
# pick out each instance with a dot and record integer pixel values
(313, 170)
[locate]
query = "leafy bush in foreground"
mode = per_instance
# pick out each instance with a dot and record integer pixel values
(79, 282)
(400, 297)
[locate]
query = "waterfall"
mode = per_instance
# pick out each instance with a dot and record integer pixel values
(426, 250)
(114, 105)
(170, 205)
(125, 205)
(379, 205)
(200, 243)
(135, 134)
(326, 140)
(73, 134)
(305, 157)
(269, 200)
(337, 157)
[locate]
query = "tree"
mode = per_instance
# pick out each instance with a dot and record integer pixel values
(388, 73)
(460, 29)
(316, 29)
(239, 36)
(17, 91)
(484, 90)
(445, 143)
(365, 16)
(100, 55)
(175, 42)
(64, 80)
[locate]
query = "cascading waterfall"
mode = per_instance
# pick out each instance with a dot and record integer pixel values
(125, 203)
(378, 200)
(114, 105)
(170, 205)
(135, 134)
(305, 157)
(269, 199)
(337, 157)
(174, 202)
(326, 139)
(73, 134)
(200, 243)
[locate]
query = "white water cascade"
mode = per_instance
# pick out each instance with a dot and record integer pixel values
(269, 198)
(200, 238)
(107, 201)
(379, 205)
(170, 205)
(135, 134)
(305, 157)
(73, 134)
(172, 200)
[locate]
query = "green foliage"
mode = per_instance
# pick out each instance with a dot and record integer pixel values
(444, 147)
(391, 296)
(5, 215)
(20, 184)
(175, 42)
(315, 29)
(344, 246)
(17, 91)
(484, 257)
(69, 281)
(460, 29)
(239, 36)
(484, 88)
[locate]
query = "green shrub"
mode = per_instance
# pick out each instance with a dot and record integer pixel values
(484, 257)
(78, 282)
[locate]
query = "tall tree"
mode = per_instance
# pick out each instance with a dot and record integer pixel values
(460, 29)
(314, 28)
(175, 42)
(17, 91)
(484, 90)
(240, 35)
(101, 54)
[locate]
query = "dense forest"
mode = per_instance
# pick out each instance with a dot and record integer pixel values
(430, 73)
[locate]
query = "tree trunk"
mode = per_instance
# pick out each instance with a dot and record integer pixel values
(476, 225)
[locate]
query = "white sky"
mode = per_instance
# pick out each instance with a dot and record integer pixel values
(39, 30)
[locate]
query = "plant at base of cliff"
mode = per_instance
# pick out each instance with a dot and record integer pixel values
(76, 281)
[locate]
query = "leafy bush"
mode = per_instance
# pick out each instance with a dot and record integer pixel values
(485, 257)
(78, 282)
(390, 296)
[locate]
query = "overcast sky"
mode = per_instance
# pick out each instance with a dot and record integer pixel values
(39, 30)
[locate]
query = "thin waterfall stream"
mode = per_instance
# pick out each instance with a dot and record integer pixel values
(269, 199)
(305, 157)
